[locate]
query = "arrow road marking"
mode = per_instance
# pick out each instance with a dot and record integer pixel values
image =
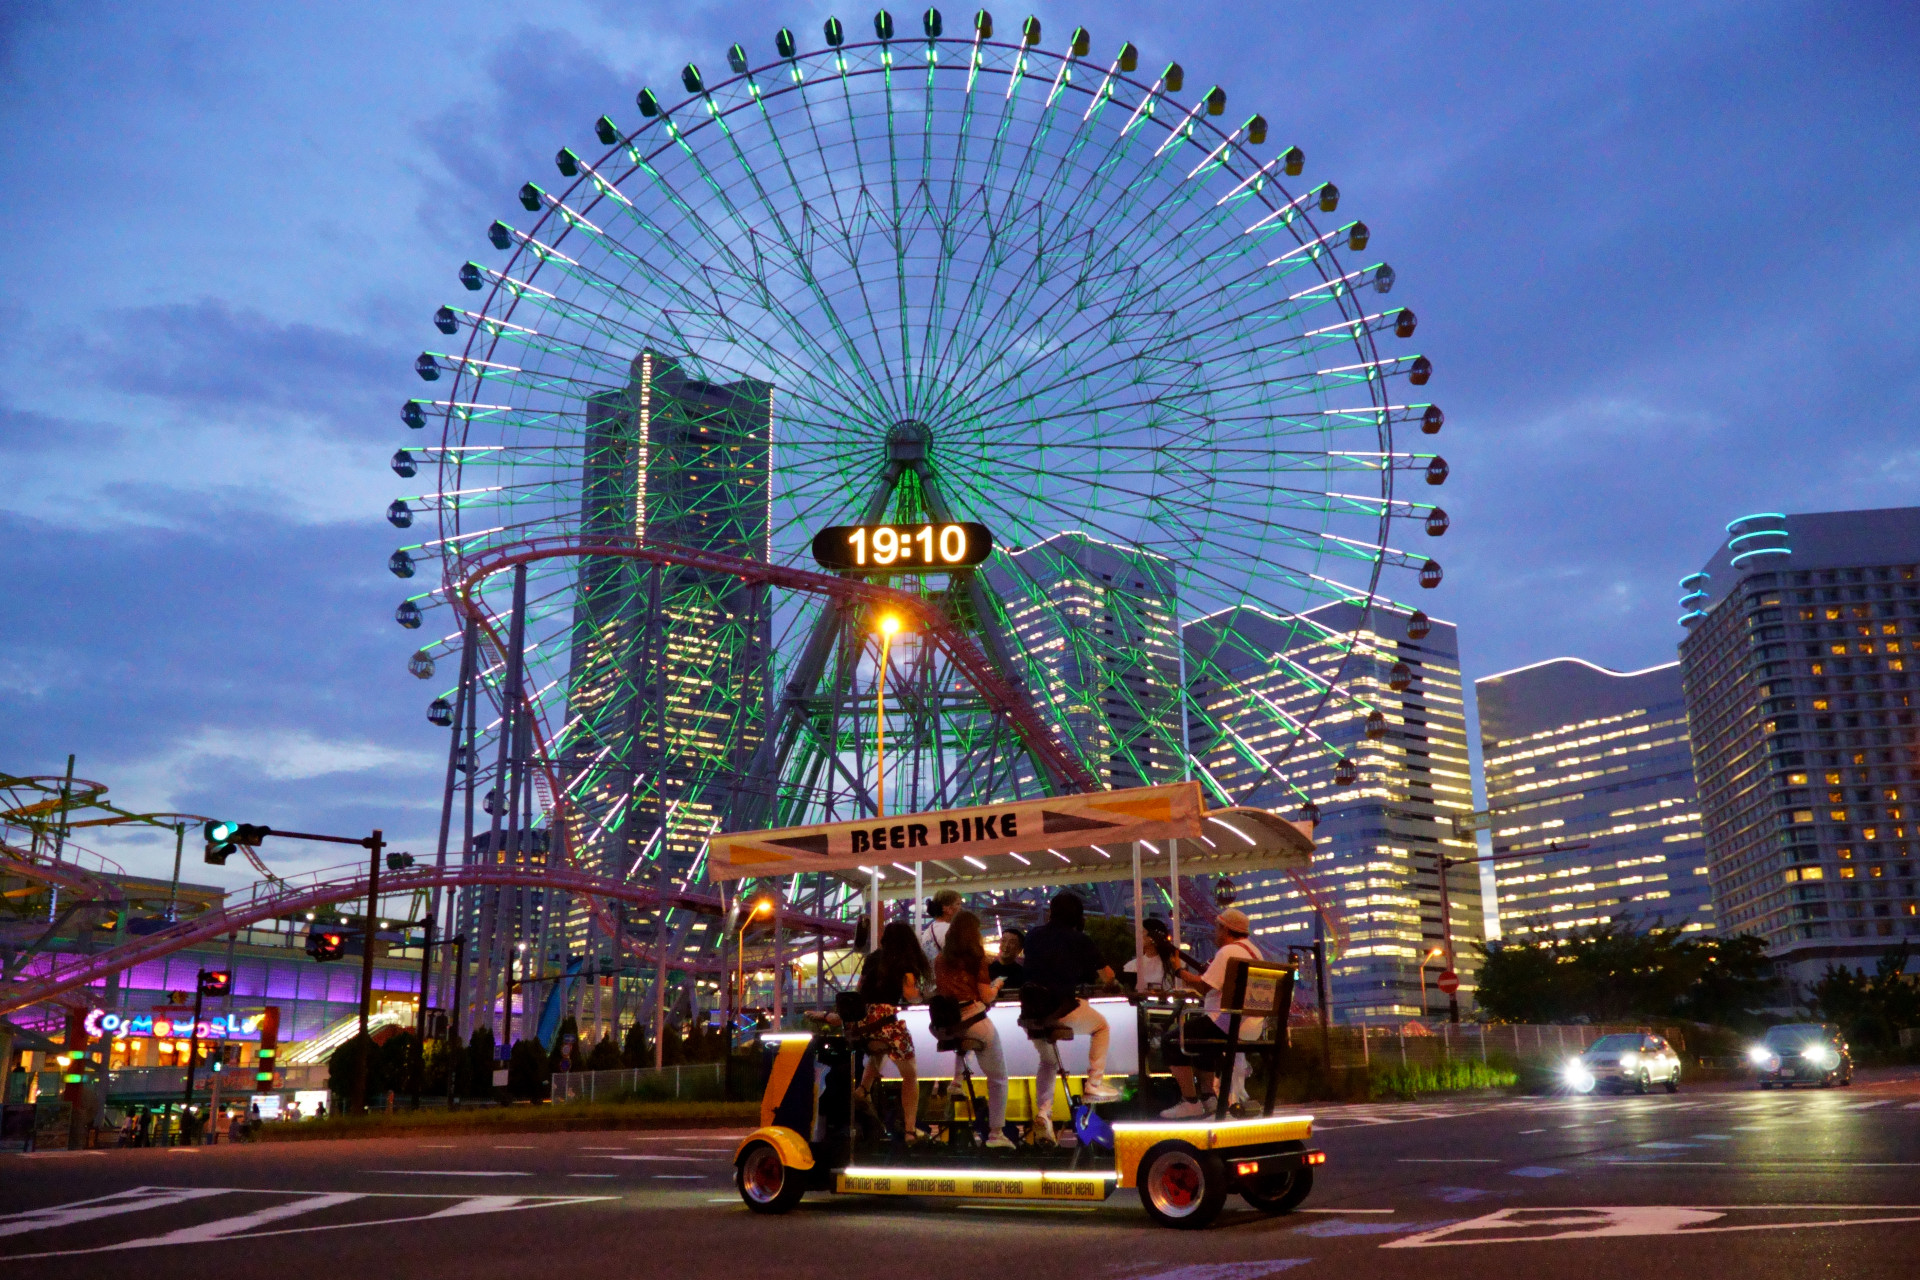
(1521, 1226)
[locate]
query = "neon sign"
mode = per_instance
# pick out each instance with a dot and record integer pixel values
(231, 1026)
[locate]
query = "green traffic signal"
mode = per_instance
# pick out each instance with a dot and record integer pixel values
(220, 845)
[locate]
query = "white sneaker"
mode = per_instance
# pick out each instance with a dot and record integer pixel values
(1000, 1142)
(1185, 1110)
(1098, 1091)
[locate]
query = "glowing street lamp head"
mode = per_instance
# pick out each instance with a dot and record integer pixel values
(763, 907)
(889, 625)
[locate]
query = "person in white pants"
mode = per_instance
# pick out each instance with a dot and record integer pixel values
(1062, 958)
(960, 971)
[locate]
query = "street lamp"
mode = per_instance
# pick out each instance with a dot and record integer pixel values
(1423, 977)
(763, 907)
(889, 626)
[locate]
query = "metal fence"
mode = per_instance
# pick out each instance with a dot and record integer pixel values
(1423, 1044)
(700, 1081)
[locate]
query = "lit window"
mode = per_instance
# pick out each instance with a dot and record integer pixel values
(1846, 873)
(1833, 779)
(1820, 704)
(1797, 779)
(1811, 873)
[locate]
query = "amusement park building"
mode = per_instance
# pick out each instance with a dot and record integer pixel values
(1577, 755)
(1380, 837)
(1800, 677)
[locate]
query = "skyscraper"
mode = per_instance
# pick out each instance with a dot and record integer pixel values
(667, 692)
(1380, 836)
(1093, 623)
(1577, 755)
(1800, 635)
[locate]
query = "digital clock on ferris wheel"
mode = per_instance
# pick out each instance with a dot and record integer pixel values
(902, 548)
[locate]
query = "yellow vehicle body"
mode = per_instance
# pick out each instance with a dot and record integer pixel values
(791, 1076)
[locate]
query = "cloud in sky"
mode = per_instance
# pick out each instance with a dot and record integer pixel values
(1662, 256)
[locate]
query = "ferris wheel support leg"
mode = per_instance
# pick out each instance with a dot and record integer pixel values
(446, 815)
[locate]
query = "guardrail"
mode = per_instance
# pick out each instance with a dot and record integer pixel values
(700, 1081)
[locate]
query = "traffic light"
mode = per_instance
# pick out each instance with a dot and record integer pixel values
(269, 1049)
(324, 945)
(215, 982)
(224, 837)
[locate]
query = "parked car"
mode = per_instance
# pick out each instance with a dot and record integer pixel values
(1802, 1053)
(1625, 1061)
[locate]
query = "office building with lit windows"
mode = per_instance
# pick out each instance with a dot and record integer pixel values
(1382, 831)
(1798, 666)
(1592, 769)
(1092, 623)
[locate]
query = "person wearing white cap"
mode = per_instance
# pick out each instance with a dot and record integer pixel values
(1230, 931)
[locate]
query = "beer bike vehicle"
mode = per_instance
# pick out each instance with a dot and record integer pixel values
(812, 1135)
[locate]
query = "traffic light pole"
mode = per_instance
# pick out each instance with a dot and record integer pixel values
(193, 1051)
(375, 844)
(420, 1015)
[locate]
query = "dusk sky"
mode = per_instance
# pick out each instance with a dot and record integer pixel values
(1661, 256)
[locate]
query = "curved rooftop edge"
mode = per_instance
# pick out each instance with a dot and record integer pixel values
(1591, 666)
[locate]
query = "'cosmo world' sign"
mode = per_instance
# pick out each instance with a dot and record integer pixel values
(231, 1026)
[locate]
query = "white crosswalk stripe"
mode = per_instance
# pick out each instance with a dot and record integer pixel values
(130, 1201)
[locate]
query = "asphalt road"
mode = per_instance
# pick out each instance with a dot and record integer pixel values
(1704, 1183)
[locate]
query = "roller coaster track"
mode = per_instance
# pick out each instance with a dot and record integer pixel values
(61, 875)
(281, 898)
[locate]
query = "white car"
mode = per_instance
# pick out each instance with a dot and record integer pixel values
(1622, 1062)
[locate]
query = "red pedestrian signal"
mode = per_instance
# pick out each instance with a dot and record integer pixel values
(324, 945)
(215, 982)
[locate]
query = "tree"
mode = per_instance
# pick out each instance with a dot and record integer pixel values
(636, 1052)
(1613, 974)
(527, 1070)
(567, 1038)
(605, 1056)
(479, 1065)
(1872, 1011)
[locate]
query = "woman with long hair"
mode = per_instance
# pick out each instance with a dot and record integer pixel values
(960, 971)
(889, 981)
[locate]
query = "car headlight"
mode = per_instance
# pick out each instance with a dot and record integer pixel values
(1758, 1055)
(1629, 1059)
(1821, 1056)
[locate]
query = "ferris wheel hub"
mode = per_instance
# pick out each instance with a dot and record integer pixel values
(907, 440)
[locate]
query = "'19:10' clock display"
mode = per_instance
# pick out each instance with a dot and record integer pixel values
(902, 548)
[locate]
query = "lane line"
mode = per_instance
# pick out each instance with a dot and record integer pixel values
(1449, 1160)
(456, 1173)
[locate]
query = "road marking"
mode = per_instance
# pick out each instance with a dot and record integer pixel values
(306, 1202)
(602, 1148)
(458, 1173)
(1343, 1211)
(1713, 1137)
(1447, 1160)
(1911, 1106)
(1525, 1226)
(1535, 1171)
(497, 1147)
(593, 1175)
(438, 1146)
(656, 1159)
(130, 1201)
(1525, 1132)
(680, 1177)
(1334, 1228)
(1670, 1146)
(1223, 1270)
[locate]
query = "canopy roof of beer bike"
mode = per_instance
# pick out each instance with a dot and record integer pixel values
(1026, 844)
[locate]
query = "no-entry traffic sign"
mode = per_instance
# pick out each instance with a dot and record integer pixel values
(1449, 981)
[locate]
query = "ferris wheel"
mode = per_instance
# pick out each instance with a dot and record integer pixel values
(1093, 374)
